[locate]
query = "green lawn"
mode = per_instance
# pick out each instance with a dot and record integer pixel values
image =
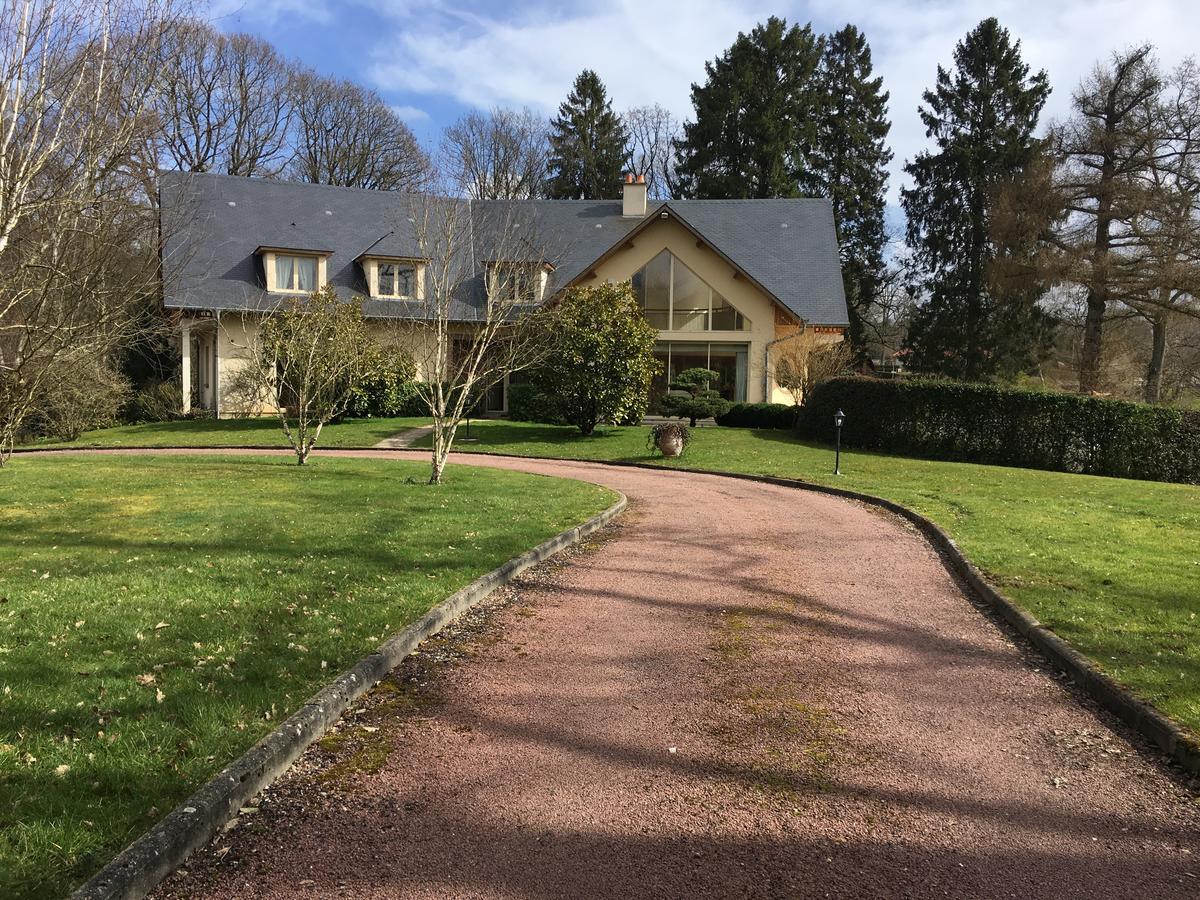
(1112, 565)
(259, 432)
(159, 615)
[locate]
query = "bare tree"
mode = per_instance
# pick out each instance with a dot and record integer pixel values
(307, 357)
(652, 135)
(478, 312)
(257, 85)
(1101, 148)
(806, 359)
(78, 255)
(346, 135)
(497, 155)
(1160, 272)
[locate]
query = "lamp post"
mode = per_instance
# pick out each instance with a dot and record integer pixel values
(838, 418)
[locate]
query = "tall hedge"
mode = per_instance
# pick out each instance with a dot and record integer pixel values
(1004, 426)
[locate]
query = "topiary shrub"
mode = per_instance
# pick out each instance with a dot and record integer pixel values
(693, 397)
(1005, 426)
(759, 415)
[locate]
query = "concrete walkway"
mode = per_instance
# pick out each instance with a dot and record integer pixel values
(743, 690)
(406, 439)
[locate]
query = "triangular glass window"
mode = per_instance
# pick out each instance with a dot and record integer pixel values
(674, 298)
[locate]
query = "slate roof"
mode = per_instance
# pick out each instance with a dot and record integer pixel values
(212, 225)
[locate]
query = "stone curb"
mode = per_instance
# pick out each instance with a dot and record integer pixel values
(162, 849)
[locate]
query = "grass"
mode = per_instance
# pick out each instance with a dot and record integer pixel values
(160, 615)
(258, 432)
(1111, 565)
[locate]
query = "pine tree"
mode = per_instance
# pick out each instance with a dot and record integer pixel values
(587, 144)
(754, 117)
(848, 165)
(981, 117)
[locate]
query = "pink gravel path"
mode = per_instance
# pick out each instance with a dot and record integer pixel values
(845, 723)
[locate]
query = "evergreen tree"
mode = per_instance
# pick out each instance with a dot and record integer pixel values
(587, 144)
(755, 117)
(981, 117)
(849, 166)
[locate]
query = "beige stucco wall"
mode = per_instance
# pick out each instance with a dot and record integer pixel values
(761, 311)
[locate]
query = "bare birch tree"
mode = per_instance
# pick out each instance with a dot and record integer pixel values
(478, 314)
(78, 255)
(653, 132)
(497, 155)
(346, 135)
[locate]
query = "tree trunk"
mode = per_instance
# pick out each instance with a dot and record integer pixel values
(1158, 352)
(1093, 337)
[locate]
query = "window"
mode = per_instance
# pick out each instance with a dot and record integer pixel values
(295, 273)
(397, 280)
(674, 298)
(516, 282)
(728, 360)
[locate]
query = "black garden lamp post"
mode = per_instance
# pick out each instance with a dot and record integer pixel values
(838, 418)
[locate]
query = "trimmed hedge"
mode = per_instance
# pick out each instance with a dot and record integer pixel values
(1005, 426)
(759, 415)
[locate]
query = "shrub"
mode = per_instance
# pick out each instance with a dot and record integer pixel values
(693, 397)
(759, 415)
(157, 401)
(601, 359)
(89, 395)
(528, 404)
(389, 390)
(1005, 426)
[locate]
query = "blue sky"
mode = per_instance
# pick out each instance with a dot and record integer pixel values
(433, 61)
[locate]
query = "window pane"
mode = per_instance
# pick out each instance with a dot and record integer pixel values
(306, 273)
(407, 276)
(284, 271)
(688, 356)
(653, 285)
(730, 361)
(691, 299)
(387, 280)
(725, 317)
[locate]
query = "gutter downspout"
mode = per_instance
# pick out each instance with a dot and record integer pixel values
(217, 366)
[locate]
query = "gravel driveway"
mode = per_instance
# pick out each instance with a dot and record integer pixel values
(739, 690)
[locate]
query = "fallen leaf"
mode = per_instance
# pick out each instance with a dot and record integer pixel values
(146, 679)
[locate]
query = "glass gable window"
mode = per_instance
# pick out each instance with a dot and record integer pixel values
(674, 298)
(295, 273)
(397, 280)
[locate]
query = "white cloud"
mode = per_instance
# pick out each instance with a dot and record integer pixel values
(411, 114)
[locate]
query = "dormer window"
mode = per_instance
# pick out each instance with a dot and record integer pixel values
(397, 280)
(293, 271)
(296, 273)
(394, 279)
(516, 282)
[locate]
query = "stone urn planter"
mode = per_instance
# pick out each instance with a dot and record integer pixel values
(669, 438)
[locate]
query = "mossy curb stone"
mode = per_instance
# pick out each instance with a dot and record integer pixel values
(162, 849)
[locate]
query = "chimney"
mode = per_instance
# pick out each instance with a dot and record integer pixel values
(633, 197)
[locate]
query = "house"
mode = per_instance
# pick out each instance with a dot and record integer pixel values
(725, 281)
